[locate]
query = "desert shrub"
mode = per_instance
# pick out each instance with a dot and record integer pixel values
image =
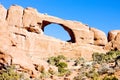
(110, 78)
(63, 71)
(79, 61)
(114, 52)
(98, 57)
(56, 61)
(61, 57)
(62, 65)
(108, 57)
(53, 60)
(9, 73)
(44, 75)
(111, 55)
(92, 74)
(103, 69)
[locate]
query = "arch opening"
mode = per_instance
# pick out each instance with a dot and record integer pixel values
(58, 31)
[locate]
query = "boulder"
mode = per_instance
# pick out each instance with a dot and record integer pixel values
(14, 16)
(114, 40)
(100, 38)
(112, 35)
(30, 17)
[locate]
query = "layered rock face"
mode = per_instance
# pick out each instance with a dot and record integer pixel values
(23, 42)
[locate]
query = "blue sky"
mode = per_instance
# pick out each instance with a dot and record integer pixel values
(101, 14)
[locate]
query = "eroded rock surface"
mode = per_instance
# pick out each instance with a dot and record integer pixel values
(113, 40)
(22, 37)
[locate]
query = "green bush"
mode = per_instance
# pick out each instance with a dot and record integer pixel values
(110, 78)
(62, 65)
(53, 60)
(108, 57)
(111, 55)
(9, 74)
(92, 74)
(63, 71)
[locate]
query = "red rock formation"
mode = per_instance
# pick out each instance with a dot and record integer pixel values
(22, 37)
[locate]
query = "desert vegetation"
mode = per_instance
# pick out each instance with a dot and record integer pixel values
(104, 66)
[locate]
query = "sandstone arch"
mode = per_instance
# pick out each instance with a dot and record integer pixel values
(70, 32)
(22, 28)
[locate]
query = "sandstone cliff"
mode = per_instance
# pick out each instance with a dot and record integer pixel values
(22, 39)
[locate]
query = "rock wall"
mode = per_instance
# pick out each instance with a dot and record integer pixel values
(22, 37)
